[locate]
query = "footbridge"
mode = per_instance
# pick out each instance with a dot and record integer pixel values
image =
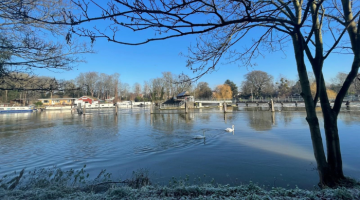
(278, 102)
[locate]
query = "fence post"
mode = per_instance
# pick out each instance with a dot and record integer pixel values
(84, 111)
(273, 118)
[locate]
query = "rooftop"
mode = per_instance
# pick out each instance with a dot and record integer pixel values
(185, 93)
(58, 99)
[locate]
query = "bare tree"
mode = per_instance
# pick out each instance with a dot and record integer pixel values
(146, 89)
(182, 83)
(137, 89)
(203, 91)
(87, 81)
(99, 86)
(90, 80)
(116, 86)
(125, 88)
(168, 84)
(157, 89)
(258, 84)
(224, 23)
(338, 81)
(27, 44)
(81, 82)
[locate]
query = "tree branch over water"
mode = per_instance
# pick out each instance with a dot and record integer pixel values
(27, 45)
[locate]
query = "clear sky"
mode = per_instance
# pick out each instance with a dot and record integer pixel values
(144, 62)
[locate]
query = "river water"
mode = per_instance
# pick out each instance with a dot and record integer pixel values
(272, 149)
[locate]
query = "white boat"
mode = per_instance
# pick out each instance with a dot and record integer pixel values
(58, 107)
(102, 105)
(124, 104)
(141, 104)
(129, 104)
(20, 109)
(88, 106)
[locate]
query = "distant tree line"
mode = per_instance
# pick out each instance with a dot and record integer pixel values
(256, 84)
(27, 87)
(261, 84)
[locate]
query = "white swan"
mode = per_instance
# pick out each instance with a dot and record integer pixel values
(200, 136)
(230, 129)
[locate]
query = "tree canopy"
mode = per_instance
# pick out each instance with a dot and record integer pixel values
(223, 92)
(258, 84)
(284, 89)
(203, 91)
(233, 87)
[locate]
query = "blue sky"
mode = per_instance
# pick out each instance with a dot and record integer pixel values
(140, 63)
(144, 62)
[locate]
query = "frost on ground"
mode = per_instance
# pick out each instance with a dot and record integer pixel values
(57, 184)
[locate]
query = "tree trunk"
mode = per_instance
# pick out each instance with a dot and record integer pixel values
(311, 117)
(333, 147)
(6, 96)
(24, 101)
(334, 159)
(334, 173)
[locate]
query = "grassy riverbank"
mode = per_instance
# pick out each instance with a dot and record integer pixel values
(56, 184)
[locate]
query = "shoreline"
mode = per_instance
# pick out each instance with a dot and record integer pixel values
(248, 191)
(53, 183)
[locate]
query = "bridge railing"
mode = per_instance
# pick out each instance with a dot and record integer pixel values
(292, 99)
(351, 98)
(267, 99)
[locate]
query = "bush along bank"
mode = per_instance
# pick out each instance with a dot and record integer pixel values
(57, 184)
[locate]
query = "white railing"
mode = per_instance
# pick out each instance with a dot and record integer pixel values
(292, 99)
(278, 99)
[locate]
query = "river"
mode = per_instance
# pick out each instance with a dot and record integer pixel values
(271, 149)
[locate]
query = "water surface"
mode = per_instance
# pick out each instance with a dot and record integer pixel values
(272, 149)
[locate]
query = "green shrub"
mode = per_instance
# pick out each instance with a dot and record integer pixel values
(38, 104)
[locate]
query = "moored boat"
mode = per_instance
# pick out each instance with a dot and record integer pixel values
(58, 107)
(20, 109)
